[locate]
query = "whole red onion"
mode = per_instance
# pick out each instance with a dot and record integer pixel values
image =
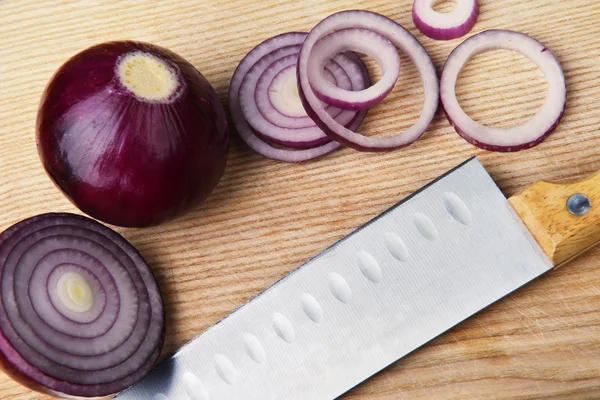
(132, 133)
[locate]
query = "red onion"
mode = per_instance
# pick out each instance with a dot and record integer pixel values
(519, 137)
(357, 24)
(132, 133)
(345, 67)
(80, 311)
(445, 26)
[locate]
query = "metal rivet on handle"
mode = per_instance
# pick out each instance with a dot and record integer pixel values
(579, 204)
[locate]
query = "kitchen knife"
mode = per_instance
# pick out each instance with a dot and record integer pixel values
(408, 275)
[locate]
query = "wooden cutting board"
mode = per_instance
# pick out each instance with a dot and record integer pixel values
(267, 217)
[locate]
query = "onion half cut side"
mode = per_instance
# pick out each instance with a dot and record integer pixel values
(265, 105)
(515, 138)
(445, 26)
(354, 22)
(81, 314)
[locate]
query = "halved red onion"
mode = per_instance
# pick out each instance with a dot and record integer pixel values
(445, 26)
(515, 138)
(249, 96)
(400, 37)
(248, 135)
(81, 314)
(363, 41)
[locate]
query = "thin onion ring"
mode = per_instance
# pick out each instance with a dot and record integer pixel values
(515, 138)
(361, 41)
(445, 26)
(402, 39)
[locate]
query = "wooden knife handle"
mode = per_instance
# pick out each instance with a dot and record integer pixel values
(563, 218)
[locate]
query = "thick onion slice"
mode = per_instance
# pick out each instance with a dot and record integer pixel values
(362, 41)
(401, 38)
(276, 93)
(245, 131)
(81, 314)
(445, 26)
(251, 93)
(515, 138)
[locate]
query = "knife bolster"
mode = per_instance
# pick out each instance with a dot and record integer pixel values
(561, 234)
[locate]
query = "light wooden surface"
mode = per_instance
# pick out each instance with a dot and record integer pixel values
(561, 234)
(266, 217)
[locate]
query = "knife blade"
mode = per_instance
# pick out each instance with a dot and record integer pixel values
(421, 267)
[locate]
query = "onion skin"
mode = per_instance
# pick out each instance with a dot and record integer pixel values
(125, 161)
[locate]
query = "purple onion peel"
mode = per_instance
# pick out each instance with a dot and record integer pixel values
(132, 133)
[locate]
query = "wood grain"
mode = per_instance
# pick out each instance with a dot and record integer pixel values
(561, 234)
(266, 217)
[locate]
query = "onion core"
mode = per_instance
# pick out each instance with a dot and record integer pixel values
(74, 292)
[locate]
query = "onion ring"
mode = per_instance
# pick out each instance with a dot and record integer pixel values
(400, 37)
(362, 41)
(251, 93)
(515, 138)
